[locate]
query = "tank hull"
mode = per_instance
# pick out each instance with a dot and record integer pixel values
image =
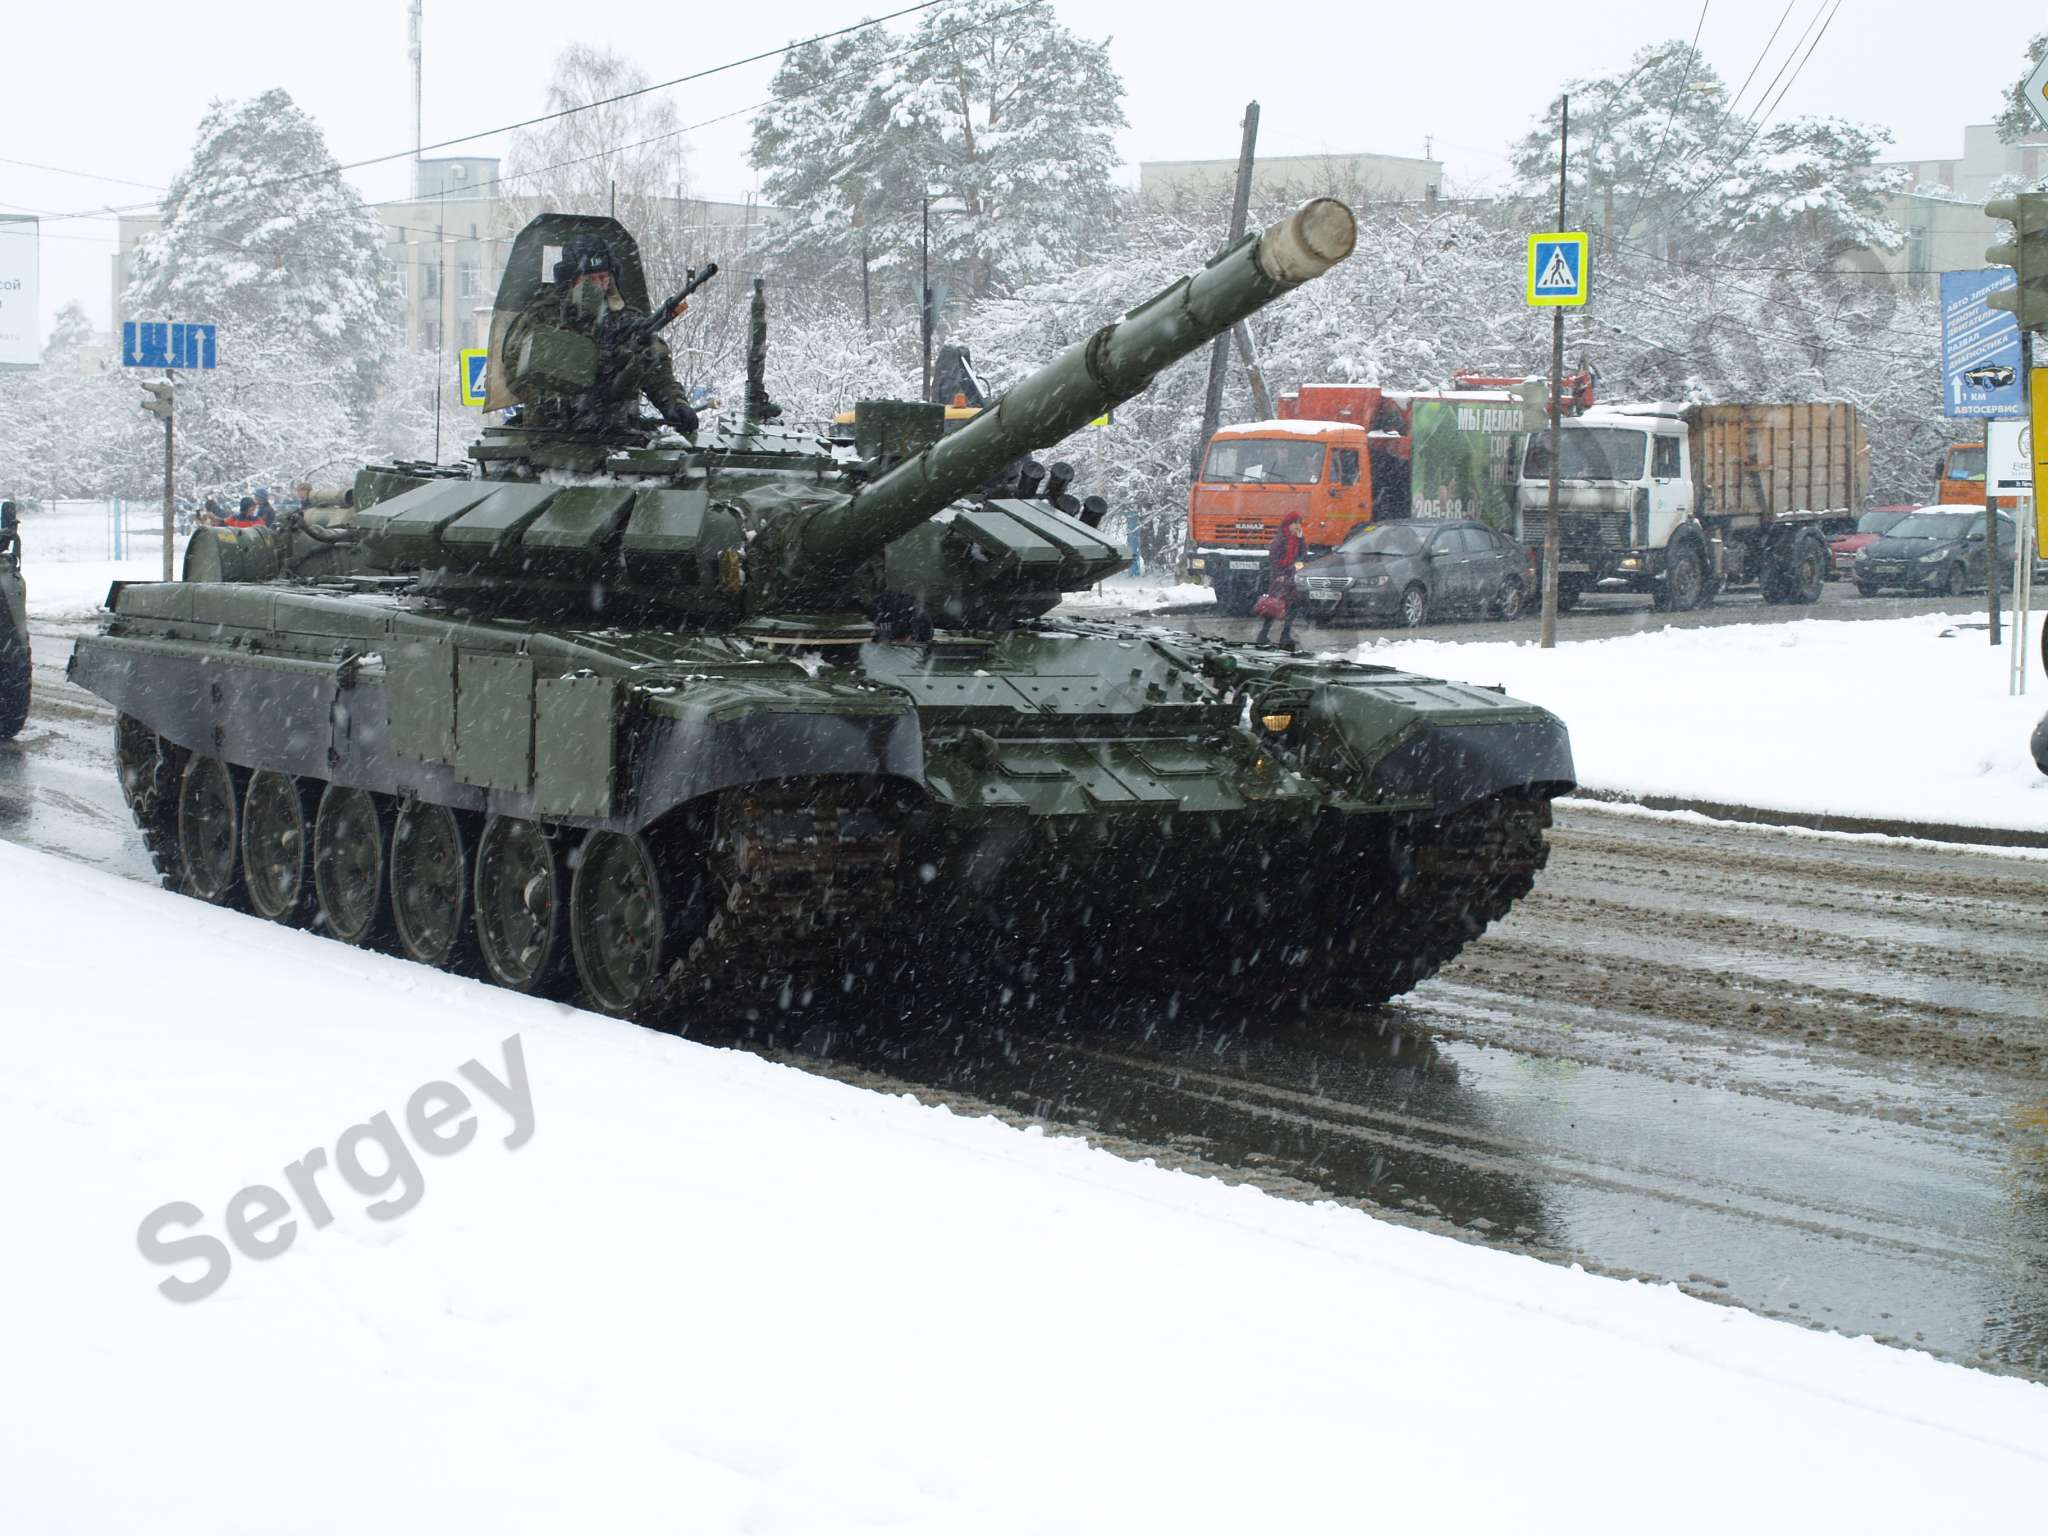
(1076, 798)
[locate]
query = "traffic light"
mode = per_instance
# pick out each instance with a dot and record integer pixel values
(160, 398)
(2027, 254)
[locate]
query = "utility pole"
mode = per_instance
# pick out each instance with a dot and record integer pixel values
(413, 25)
(162, 402)
(1548, 637)
(925, 304)
(1219, 355)
(1254, 375)
(440, 308)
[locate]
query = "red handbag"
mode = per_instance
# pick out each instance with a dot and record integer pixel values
(1269, 607)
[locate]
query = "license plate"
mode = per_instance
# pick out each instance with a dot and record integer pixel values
(1244, 565)
(1323, 597)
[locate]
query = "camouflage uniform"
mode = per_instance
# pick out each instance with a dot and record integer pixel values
(631, 360)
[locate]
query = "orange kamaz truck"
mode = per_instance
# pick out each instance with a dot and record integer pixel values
(1341, 455)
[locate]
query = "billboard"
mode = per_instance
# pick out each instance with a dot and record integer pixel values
(21, 339)
(1462, 460)
(1980, 347)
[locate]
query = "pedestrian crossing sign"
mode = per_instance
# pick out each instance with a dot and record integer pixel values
(475, 362)
(1560, 270)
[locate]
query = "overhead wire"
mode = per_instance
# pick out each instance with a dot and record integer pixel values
(547, 117)
(278, 252)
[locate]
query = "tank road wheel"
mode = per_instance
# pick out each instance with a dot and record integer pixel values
(209, 806)
(430, 884)
(151, 769)
(277, 845)
(350, 846)
(519, 905)
(619, 923)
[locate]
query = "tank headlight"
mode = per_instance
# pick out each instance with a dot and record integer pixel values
(1276, 723)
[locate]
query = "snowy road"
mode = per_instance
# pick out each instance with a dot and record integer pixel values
(1806, 1076)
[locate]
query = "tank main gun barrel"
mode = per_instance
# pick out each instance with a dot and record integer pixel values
(1110, 367)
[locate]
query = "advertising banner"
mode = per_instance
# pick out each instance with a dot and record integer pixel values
(1463, 462)
(1980, 347)
(21, 331)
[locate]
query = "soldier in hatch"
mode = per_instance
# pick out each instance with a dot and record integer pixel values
(632, 358)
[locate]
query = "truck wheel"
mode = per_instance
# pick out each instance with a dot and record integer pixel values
(1685, 578)
(1806, 569)
(14, 682)
(1415, 606)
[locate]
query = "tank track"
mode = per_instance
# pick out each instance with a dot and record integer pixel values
(802, 892)
(150, 768)
(1400, 918)
(793, 868)
(1461, 875)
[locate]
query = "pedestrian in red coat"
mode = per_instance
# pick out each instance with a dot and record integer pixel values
(1287, 550)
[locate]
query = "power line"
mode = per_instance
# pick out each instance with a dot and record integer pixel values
(278, 252)
(548, 117)
(1692, 59)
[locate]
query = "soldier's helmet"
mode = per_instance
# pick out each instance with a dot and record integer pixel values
(584, 254)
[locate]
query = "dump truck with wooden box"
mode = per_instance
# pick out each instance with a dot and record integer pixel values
(1681, 502)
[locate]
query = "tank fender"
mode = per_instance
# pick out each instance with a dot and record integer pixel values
(1450, 744)
(717, 735)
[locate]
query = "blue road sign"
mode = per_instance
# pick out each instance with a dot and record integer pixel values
(1559, 269)
(1981, 372)
(163, 344)
(476, 362)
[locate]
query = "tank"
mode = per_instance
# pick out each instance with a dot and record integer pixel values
(14, 655)
(645, 719)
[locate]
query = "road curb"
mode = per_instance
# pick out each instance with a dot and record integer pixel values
(1819, 821)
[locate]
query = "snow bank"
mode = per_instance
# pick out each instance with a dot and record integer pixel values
(713, 1294)
(67, 550)
(1139, 596)
(1878, 718)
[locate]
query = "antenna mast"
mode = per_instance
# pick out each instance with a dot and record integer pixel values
(412, 12)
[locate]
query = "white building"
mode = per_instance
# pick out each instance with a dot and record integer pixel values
(1941, 208)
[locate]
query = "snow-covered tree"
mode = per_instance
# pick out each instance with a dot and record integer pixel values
(1658, 158)
(1650, 141)
(262, 235)
(1004, 120)
(1813, 180)
(70, 333)
(600, 145)
(2016, 120)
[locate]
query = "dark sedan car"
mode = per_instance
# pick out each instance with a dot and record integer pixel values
(1410, 571)
(1934, 550)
